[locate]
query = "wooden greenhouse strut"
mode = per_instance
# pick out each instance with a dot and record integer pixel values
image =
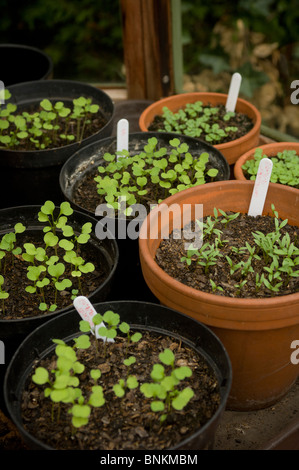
(148, 47)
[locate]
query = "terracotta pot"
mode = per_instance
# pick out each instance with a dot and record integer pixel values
(257, 333)
(231, 150)
(270, 150)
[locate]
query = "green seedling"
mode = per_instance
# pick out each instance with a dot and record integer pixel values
(81, 410)
(47, 265)
(8, 243)
(196, 120)
(214, 286)
(164, 390)
(284, 170)
(36, 274)
(131, 338)
(280, 256)
(46, 215)
(3, 295)
(209, 255)
(128, 383)
(192, 255)
(62, 383)
(227, 218)
(239, 287)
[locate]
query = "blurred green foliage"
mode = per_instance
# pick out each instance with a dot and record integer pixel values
(83, 37)
(276, 20)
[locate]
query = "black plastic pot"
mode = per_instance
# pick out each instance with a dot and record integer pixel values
(12, 332)
(30, 176)
(22, 63)
(130, 281)
(142, 316)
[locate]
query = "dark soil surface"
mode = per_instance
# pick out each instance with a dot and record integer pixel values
(236, 234)
(127, 422)
(239, 120)
(21, 304)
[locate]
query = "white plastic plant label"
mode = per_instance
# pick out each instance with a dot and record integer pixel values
(87, 312)
(260, 188)
(233, 92)
(122, 135)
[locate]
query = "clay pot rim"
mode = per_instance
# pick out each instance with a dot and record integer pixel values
(273, 147)
(198, 95)
(218, 301)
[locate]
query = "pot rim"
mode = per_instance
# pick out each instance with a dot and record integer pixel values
(273, 147)
(222, 96)
(148, 262)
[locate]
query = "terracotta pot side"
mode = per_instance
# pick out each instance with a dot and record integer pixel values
(231, 150)
(270, 150)
(264, 379)
(256, 332)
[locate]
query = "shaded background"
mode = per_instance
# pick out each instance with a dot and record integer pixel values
(258, 38)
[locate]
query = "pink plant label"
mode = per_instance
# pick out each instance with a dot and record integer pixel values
(122, 135)
(87, 312)
(260, 188)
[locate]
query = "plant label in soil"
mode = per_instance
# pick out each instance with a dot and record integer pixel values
(122, 135)
(260, 188)
(87, 312)
(233, 92)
